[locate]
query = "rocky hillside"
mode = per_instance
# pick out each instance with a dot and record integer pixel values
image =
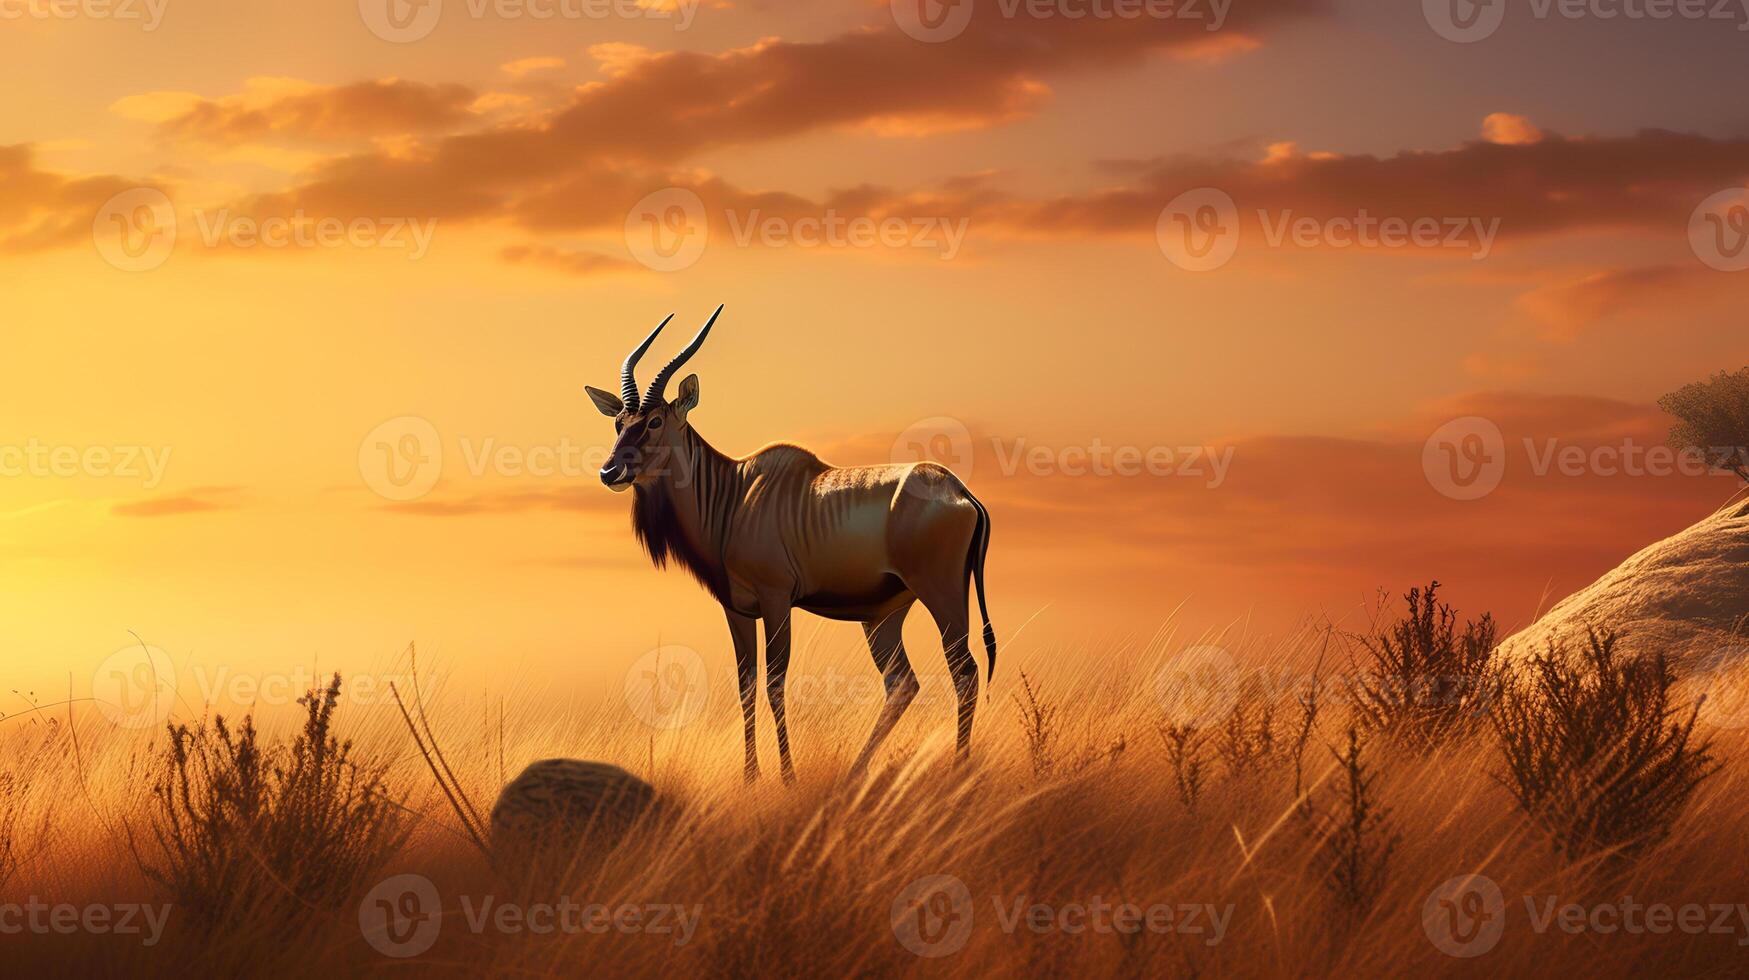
(1688, 593)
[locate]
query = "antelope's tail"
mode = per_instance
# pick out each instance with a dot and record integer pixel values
(975, 565)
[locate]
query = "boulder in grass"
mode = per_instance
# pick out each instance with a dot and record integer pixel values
(1687, 595)
(564, 814)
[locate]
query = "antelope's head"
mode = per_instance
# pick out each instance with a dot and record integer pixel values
(649, 429)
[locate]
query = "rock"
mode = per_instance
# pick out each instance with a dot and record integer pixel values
(1687, 595)
(565, 814)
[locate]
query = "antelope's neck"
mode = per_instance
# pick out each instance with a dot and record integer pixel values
(705, 488)
(686, 516)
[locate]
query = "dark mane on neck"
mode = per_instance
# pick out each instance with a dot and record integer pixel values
(658, 528)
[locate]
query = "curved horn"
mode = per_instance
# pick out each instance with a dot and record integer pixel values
(681, 358)
(628, 385)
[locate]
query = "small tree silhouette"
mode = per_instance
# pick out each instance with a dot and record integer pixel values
(1713, 419)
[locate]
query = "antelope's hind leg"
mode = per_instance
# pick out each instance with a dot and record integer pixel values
(946, 602)
(886, 641)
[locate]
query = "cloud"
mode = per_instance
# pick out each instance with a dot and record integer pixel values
(583, 499)
(655, 110)
(573, 262)
(1474, 196)
(1506, 129)
(1569, 308)
(292, 110)
(41, 209)
(195, 501)
(1650, 180)
(1323, 518)
(526, 66)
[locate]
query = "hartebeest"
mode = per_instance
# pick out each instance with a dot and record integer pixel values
(782, 530)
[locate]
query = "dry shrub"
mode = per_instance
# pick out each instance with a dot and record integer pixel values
(239, 827)
(1422, 680)
(1247, 737)
(805, 880)
(1354, 837)
(11, 808)
(1596, 752)
(1184, 748)
(1038, 720)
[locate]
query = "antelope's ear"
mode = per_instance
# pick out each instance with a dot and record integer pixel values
(606, 402)
(688, 399)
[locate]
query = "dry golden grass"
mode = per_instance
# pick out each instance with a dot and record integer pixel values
(803, 880)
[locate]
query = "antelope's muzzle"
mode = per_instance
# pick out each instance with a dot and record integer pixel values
(617, 474)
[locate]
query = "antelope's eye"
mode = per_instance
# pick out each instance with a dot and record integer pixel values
(655, 421)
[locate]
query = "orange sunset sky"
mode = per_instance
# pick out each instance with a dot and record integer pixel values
(496, 200)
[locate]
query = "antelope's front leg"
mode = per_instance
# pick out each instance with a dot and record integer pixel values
(745, 630)
(777, 615)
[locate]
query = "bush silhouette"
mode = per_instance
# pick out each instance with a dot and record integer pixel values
(1595, 751)
(1422, 680)
(240, 828)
